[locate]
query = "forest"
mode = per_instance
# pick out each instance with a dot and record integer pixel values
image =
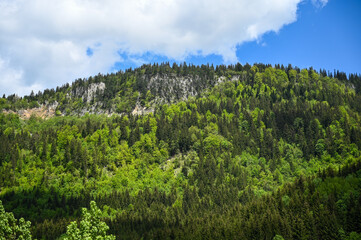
(224, 152)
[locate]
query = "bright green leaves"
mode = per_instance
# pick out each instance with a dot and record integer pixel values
(11, 228)
(90, 228)
(66, 135)
(147, 150)
(303, 76)
(216, 143)
(278, 237)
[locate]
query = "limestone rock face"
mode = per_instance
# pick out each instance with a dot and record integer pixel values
(97, 97)
(92, 89)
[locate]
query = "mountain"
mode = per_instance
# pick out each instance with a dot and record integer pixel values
(121, 92)
(189, 152)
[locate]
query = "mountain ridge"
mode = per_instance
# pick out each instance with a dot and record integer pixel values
(149, 86)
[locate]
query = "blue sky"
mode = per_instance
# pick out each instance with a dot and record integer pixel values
(44, 44)
(327, 38)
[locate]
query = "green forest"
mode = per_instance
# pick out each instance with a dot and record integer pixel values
(222, 152)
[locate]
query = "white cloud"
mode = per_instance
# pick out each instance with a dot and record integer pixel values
(43, 43)
(319, 3)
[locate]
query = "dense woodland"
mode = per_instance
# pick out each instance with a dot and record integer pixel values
(237, 152)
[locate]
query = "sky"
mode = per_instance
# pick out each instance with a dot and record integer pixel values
(45, 44)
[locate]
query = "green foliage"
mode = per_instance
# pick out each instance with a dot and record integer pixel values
(354, 236)
(90, 227)
(278, 237)
(11, 228)
(256, 151)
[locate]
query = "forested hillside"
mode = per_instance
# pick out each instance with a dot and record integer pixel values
(237, 152)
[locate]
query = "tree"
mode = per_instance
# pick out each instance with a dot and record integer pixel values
(91, 227)
(11, 228)
(278, 237)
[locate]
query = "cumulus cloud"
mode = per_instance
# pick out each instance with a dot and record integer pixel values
(47, 43)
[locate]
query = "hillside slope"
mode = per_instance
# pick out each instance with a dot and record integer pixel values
(239, 151)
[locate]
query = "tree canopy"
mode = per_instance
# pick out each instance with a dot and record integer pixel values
(186, 152)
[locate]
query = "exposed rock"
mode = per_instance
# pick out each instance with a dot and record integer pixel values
(170, 87)
(52, 106)
(139, 110)
(44, 112)
(92, 89)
